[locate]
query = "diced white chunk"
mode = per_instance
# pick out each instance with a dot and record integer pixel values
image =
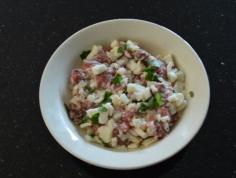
(168, 58)
(114, 141)
(94, 51)
(133, 146)
(136, 67)
(110, 108)
(149, 141)
(99, 68)
(140, 132)
(164, 119)
(138, 123)
(88, 138)
(103, 117)
(140, 92)
(91, 112)
(121, 71)
(105, 132)
(119, 100)
(132, 46)
(178, 100)
(84, 125)
(114, 43)
(172, 76)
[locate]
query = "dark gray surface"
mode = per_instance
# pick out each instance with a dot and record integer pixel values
(31, 30)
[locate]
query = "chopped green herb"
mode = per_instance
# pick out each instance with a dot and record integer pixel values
(143, 107)
(191, 94)
(92, 134)
(106, 97)
(151, 103)
(94, 118)
(118, 79)
(151, 74)
(103, 109)
(84, 119)
(84, 54)
(90, 90)
(158, 100)
(122, 49)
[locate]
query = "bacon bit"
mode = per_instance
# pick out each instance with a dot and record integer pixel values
(86, 105)
(128, 54)
(76, 76)
(141, 54)
(174, 119)
(164, 111)
(151, 123)
(162, 71)
(160, 87)
(124, 126)
(95, 128)
(160, 131)
(104, 80)
(89, 63)
(102, 57)
(107, 48)
(128, 115)
(118, 88)
(168, 93)
(76, 115)
(151, 117)
(115, 132)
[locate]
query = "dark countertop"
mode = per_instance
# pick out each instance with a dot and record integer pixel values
(31, 30)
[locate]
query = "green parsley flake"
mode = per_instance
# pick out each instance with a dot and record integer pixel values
(90, 90)
(85, 119)
(122, 49)
(118, 79)
(158, 100)
(94, 118)
(103, 109)
(106, 97)
(191, 94)
(151, 74)
(151, 103)
(84, 54)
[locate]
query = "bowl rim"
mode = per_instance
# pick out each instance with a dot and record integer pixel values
(122, 167)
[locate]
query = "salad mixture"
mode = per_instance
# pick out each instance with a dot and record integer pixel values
(125, 98)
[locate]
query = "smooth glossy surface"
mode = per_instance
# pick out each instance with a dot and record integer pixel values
(152, 37)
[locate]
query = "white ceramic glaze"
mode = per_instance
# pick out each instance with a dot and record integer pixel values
(152, 37)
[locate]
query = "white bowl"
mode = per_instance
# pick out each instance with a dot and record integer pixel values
(152, 37)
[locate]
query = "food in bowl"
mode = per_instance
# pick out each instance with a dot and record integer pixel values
(125, 98)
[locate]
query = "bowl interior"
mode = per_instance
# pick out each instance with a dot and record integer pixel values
(155, 39)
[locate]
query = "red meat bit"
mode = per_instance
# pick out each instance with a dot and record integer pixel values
(163, 111)
(89, 63)
(151, 117)
(160, 131)
(162, 71)
(103, 58)
(128, 54)
(76, 76)
(115, 132)
(104, 80)
(76, 115)
(107, 48)
(124, 126)
(128, 115)
(141, 54)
